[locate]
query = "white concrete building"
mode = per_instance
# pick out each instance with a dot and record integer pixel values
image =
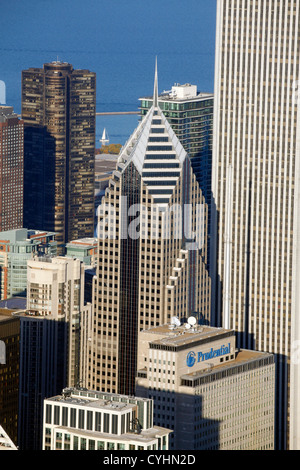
(81, 419)
(55, 289)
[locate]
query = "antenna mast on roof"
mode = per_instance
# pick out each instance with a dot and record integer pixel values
(155, 91)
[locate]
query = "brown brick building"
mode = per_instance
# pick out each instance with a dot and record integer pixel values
(11, 169)
(59, 113)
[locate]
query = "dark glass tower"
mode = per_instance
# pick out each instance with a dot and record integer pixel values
(11, 169)
(59, 113)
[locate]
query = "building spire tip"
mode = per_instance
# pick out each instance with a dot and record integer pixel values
(155, 92)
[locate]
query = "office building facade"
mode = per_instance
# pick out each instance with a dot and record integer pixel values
(16, 248)
(255, 183)
(50, 336)
(84, 249)
(9, 373)
(213, 396)
(11, 169)
(56, 290)
(151, 265)
(59, 113)
(87, 420)
(44, 359)
(190, 115)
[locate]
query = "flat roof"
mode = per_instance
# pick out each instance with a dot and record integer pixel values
(167, 96)
(242, 356)
(146, 435)
(14, 303)
(88, 402)
(82, 242)
(6, 314)
(181, 336)
(105, 163)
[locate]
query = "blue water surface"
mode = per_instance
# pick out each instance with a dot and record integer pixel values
(118, 40)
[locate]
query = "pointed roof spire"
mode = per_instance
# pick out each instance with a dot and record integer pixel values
(155, 92)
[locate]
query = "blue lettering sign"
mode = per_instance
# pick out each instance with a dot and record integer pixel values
(201, 356)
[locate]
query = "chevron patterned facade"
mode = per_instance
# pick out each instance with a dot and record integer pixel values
(152, 251)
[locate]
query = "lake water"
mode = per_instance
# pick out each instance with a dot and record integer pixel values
(118, 40)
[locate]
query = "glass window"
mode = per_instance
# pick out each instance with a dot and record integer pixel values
(81, 419)
(98, 422)
(82, 443)
(100, 445)
(56, 414)
(48, 414)
(65, 416)
(122, 424)
(91, 444)
(114, 429)
(110, 446)
(121, 446)
(75, 443)
(73, 418)
(106, 422)
(89, 420)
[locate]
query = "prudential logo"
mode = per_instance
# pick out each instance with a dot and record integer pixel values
(190, 359)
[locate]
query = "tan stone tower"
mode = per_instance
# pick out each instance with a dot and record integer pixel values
(59, 113)
(11, 169)
(255, 183)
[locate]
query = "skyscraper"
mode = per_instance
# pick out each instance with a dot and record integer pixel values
(190, 114)
(50, 339)
(11, 169)
(256, 157)
(9, 372)
(152, 252)
(58, 109)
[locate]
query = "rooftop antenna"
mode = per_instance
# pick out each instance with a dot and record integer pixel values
(155, 91)
(175, 322)
(191, 322)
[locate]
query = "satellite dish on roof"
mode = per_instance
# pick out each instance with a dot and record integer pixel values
(188, 326)
(175, 321)
(192, 321)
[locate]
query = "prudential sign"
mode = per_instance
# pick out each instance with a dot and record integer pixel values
(193, 357)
